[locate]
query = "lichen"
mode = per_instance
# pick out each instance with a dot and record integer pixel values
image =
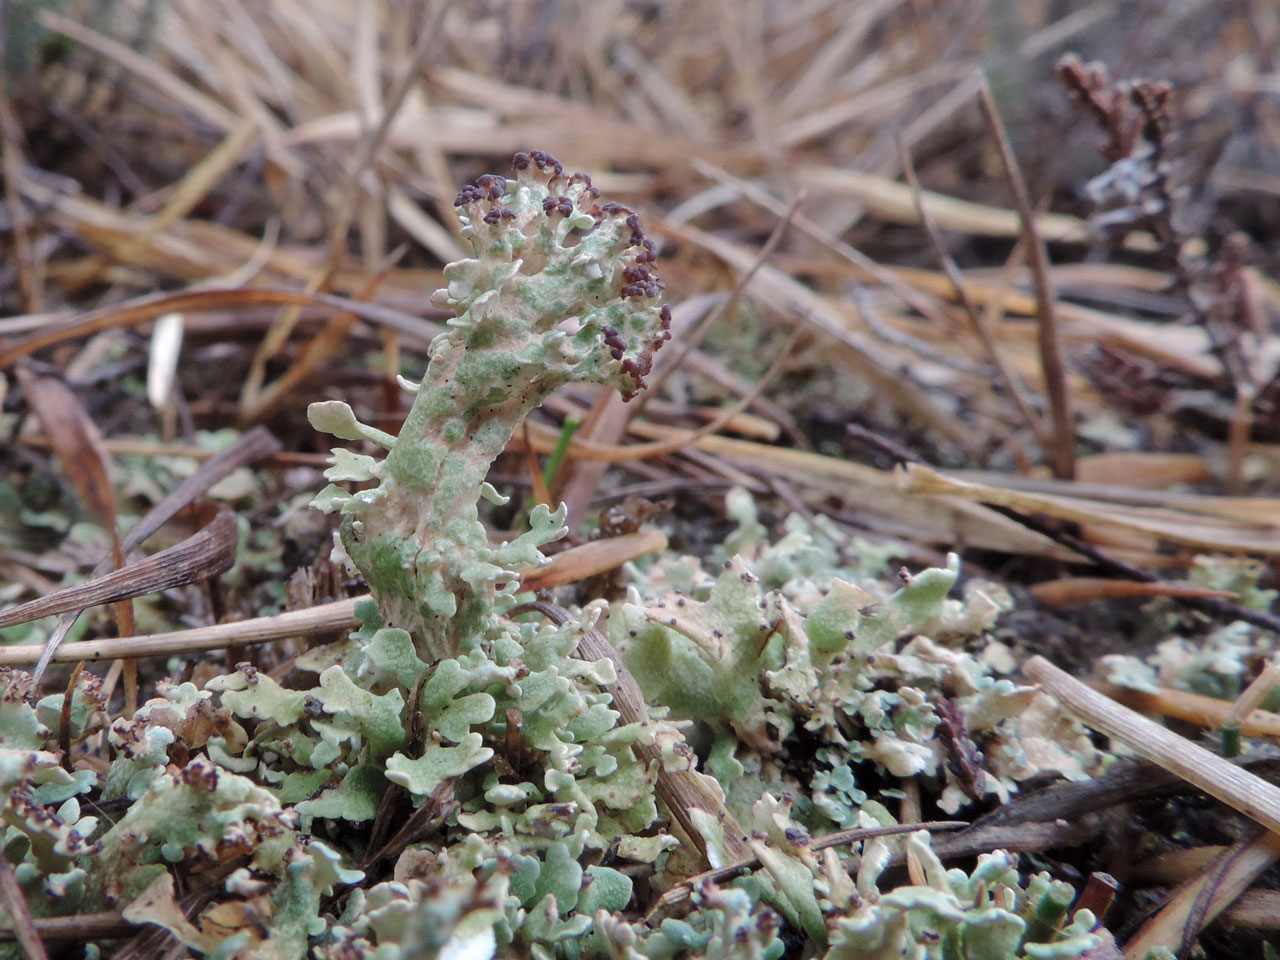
(991, 912)
(455, 780)
(829, 653)
(562, 288)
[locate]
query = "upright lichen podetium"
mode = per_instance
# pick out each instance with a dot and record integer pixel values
(562, 289)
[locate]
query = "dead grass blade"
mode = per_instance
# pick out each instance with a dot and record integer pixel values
(78, 446)
(186, 194)
(1180, 348)
(1197, 902)
(1208, 712)
(258, 403)
(1056, 593)
(684, 438)
(1012, 382)
(200, 252)
(146, 68)
(252, 402)
(605, 423)
(11, 161)
(890, 200)
(1237, 788)
(76, 442)
(1176, 526)
(881, 365)
(1140, 488)
(937, 520)
(248, 448)
(689, 341)
(206, 553)
(163, 353)
(373, 140)
(539, 491)
(864, 268)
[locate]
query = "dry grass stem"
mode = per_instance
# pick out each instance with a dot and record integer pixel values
(1179, 526)
(1237, 788)
(1246, 705)
(565, 567)
(329, 618)
(151, 306)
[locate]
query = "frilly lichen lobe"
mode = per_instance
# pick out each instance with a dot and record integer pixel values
(561, 289)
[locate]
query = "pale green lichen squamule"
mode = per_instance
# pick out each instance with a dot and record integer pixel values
(561, 289)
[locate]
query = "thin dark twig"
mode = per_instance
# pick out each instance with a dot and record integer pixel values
(64, 724)
(427, 818)
(1062, 457)
(882, 443)
(1007, 374)
(395, 794)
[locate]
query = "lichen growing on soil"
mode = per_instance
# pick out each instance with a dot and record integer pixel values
(454, 780)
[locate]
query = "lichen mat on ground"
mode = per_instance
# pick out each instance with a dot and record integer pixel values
(454, 781)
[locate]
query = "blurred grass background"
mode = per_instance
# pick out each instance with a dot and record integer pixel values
(316, 147)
